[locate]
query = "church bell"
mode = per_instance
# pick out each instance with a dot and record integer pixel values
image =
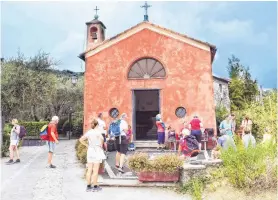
(94, 36)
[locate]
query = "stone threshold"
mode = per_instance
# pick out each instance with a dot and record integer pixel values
(133, 183)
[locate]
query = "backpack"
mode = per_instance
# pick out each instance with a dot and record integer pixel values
(114, 129)
(43, 133)
(189, 145)
(22, 132)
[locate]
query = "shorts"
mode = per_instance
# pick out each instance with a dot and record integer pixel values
(51, 146)
(197, 134)
(13, 142)
(161, 137)
(95, 155)
(121, 148)
(104, 137)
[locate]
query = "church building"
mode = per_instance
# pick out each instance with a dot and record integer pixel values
(146, 70)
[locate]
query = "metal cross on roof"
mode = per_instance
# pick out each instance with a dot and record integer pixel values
(96, 15)
(146, 6)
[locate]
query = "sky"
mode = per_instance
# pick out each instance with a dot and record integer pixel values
(246, 29)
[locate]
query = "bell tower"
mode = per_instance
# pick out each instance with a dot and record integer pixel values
(95, 32)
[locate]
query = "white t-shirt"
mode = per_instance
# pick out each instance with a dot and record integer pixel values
(249, 138)
(123, 126)
(94, 137)
(101, 125)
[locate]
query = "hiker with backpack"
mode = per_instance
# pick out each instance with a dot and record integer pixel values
(52, 139)
(118, 129)
(14, 140)
(188, 145)
(195, 126)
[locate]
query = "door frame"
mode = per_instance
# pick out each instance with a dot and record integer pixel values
(134, 106)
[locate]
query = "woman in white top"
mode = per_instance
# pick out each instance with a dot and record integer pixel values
(14, 140)
(95, 155)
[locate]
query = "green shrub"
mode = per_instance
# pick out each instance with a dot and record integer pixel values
(194, 187)
(168, 163)
(251, 167)
(81, 152)
(221, 113)
(33, 128)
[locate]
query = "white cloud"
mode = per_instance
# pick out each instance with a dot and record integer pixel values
(71, 43)
(237, 30)
(201, 20)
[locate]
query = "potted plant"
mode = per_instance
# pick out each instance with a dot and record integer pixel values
(163, 168)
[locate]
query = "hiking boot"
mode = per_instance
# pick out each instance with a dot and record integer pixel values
(96, 189)
(10, 162)
(52, 166)
(17, 161)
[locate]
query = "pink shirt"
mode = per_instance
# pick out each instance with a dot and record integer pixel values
(159, 127)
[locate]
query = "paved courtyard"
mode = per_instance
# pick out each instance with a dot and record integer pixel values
(32, 180)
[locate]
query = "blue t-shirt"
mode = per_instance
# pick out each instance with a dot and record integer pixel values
(228, 126)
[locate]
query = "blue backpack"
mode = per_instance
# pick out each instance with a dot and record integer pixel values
(114, 129)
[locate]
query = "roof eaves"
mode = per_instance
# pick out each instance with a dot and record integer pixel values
(212, 47)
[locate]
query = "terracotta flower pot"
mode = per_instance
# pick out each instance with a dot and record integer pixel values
(101, 170)
(158, 176)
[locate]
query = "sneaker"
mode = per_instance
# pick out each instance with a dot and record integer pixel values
(10, 161)
(52, 166)
(121, 170)
(117, 166)
(17, 161)
(89, 189)
(96, 189)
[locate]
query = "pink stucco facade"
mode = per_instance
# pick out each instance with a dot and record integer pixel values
(188, 82)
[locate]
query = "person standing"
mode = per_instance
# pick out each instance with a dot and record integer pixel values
(160, 131)
(95, 155)
(195, 126)
(102, 128)
(53, 139)
(233, 118)
(248, 139)
(122, 143)
(226, 126)
(14, 140)
(246, 125)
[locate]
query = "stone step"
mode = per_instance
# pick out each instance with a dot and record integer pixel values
(145, 143)
(134, 183)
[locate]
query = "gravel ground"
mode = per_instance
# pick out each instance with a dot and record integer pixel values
(33, 180)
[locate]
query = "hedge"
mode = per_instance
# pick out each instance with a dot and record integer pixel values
(32, 128)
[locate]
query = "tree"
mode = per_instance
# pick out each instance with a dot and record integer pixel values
(32, 89)
(242, 88)
(234, 67)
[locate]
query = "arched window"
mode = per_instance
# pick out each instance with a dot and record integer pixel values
(146, 68)
(93, 32)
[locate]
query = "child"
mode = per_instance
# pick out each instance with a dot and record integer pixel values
(129, 136)
(172, 138)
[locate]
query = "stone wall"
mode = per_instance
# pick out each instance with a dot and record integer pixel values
(200, 169)
(221, 96)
